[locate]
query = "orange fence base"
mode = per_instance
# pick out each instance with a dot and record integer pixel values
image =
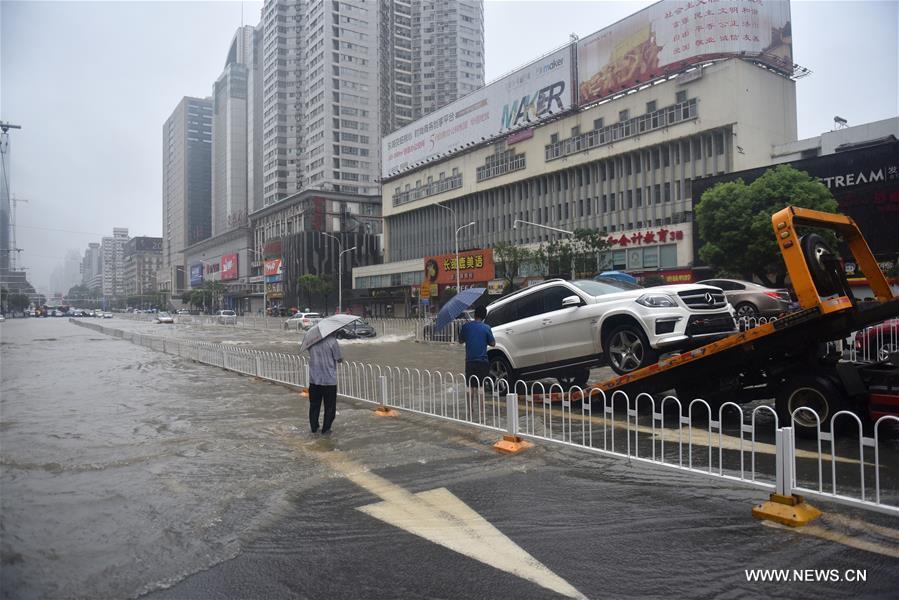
(384, 411)
(786, 510)
(512, 444)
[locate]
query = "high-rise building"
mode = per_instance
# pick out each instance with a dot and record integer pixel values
(432, 53)
(113, 253)
(337, 74)
(142, 259)
(92, 266)
(230, 123)
(186, 186)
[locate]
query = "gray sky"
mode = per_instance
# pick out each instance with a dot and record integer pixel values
(91, 83)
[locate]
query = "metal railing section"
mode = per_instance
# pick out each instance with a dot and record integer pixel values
(714, 441)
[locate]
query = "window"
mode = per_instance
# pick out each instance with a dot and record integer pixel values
(575, 131)
(668, 255)
(530, 306)
(681, 96)
(597, 123)
(552, 297)
(651, 106)
(623, 115)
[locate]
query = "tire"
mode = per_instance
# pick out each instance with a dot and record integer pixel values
(747, 310)
(817, 255)
(573, 377)
(500, 368)
(814, 391)
(626, 349)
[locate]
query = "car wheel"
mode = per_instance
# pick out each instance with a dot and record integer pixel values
(887, 348)
(574, 377)
(813, 391)
(746, 310)
(627, 349)
(501, 369)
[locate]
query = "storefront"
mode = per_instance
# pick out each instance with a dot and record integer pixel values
(662, 254)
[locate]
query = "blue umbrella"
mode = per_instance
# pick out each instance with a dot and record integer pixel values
(456, 305)
(619, 276)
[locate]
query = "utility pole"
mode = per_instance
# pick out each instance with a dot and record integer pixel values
(4, 159)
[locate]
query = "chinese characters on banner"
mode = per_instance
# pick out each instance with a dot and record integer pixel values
(474, 266)
(660, 236)
(669, 35)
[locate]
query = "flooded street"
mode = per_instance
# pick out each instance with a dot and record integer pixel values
(130, 473)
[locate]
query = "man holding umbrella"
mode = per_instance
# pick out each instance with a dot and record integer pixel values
(477, 335)
(324, 354)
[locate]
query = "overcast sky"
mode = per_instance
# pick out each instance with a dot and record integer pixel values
(91, 84)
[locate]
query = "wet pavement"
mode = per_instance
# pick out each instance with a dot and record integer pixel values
(131, 473)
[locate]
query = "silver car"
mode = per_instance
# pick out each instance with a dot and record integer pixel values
(751, 299)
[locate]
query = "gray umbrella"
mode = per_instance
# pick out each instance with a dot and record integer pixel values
(324, 328)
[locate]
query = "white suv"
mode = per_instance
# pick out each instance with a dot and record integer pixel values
(227, 317)
(563, 328)
(302, 321)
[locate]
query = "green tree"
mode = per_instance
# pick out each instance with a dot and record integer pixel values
(307, 285)
(734, 221)
(578, 252)
(509, 259)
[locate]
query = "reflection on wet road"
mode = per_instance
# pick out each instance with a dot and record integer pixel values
(127, 471)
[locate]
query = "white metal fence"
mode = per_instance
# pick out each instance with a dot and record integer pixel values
(725, 442)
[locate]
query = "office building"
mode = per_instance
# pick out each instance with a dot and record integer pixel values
(112, 250)
(142, 259)
(186, 186)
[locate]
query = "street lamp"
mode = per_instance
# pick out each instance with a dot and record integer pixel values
(264, 296)
(565, 231)
(340, 254)
(457, 253)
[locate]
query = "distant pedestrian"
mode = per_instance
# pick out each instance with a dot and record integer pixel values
(323, 359)
(476, 335)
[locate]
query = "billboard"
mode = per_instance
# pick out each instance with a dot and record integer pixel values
(229, 267)
(475, 266)
(526, 96)
(196, 274)
(670, 35)
(273, 270)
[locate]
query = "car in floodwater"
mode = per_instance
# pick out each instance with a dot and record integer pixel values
(302, 321)
(356, 330)
(164, 317)
(227, 317)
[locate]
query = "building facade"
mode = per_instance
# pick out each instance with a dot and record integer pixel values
(336, 74)
(231, 128)
(113, 270)
(142, 260)
(186, 186)
(92, 266)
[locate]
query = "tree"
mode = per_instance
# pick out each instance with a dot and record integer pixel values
(579, 253)
(734, 221)
(510, 259)
(307, 284)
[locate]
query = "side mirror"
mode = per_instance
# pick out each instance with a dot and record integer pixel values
(571, 301)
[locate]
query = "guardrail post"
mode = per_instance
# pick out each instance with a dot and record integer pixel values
(383, 410)
(306, 382)
(512, 443)
(784, 506)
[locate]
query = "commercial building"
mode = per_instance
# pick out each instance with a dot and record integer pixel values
(229, 260)
(113, 270)
(142, 261)
(619, 156)
(186, 186)
(860, 167)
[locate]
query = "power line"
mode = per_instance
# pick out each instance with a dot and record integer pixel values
(63, 230)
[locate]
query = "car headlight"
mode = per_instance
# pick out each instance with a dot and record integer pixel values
(657, 301)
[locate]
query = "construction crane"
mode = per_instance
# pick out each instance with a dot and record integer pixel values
(4, 154)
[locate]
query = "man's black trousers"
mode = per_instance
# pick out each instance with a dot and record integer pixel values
(318, 393)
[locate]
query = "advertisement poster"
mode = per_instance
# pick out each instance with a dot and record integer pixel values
(196, 274)
(530, 94)
(229, 267)
(273, 270)
(672, 34)
(474, 266)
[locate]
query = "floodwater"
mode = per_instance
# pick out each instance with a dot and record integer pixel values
(128, 472)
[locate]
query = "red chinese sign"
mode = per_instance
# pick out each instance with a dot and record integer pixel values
(474, 266)
(272, 267)
(660, 236)
(229, 267)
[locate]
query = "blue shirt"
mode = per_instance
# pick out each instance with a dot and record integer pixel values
(323, 358)
(477, 335)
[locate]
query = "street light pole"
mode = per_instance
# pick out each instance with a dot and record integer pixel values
(458, 287)
(565, 231)
(455, 226)
(340, 254)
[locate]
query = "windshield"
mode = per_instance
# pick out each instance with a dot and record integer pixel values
(604, 285)
(313, 316)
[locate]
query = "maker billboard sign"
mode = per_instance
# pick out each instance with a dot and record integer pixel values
(229, 267)
(672, 34)
(530, 94)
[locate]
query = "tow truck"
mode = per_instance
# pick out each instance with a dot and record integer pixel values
(792, 359)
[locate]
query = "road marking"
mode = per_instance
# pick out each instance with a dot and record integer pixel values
(845, 539)
(440, 517)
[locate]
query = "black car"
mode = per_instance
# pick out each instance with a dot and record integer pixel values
(356, 330)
